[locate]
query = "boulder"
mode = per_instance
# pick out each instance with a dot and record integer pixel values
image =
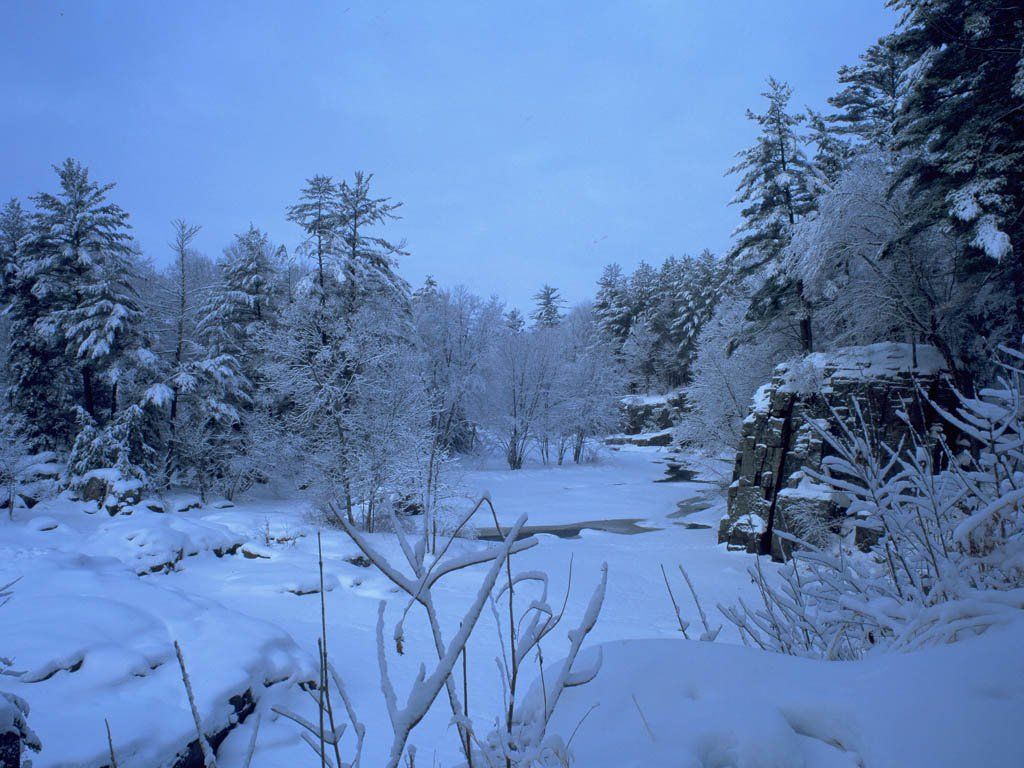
(95, 489)
(894, 385)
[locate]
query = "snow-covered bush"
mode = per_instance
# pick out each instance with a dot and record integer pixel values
(519, 735)
(118, 454)
(947, 526)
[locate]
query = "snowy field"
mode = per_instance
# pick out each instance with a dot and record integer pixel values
(100, 600)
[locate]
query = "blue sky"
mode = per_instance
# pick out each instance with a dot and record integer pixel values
(531, 142)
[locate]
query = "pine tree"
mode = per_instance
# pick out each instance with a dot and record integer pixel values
(318, 212)
(697, 298)
(548, 312)
(774, 187)
(611, 304)
(776, 191)
(831, 153)
(639, 353)
(642, 294)
(368, 262)
(243, 304)
(869, 101)
(14, 223)
(963, 124)
(75, 268)
(515, 321)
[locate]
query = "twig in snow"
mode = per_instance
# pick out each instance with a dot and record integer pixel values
(209, 760)
(644, 719)
(252, 742)
(709, 633)
(110, 745)
(683, 624)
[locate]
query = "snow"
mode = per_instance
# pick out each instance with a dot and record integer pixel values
(97, 637)
(862, 362)
(709, 704)
(649, 399)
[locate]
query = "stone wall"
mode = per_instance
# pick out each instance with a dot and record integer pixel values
(770, 490)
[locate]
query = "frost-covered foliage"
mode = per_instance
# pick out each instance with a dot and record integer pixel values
(548, 387)
(947, 525)
(520, 732)
(725, 379)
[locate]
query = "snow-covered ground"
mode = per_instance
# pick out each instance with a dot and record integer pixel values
(95, 638)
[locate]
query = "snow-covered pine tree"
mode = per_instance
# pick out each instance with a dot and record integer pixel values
(697, 297)
(242, 305)
(514, 321)
(368, 261)
(74, 309)
(868, 101)
(963, 124)
(663, 311)
(14, 224)
(241, 313)
(642, 293)
(775, 190)
(611, 304)
(831, 153)
(337, 337)
(183, 293)
(319, 214)
(548, 310)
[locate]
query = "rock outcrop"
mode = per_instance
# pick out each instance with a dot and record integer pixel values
(651, 413)
(894, 385)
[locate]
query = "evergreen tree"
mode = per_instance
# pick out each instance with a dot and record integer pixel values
(642, 295)
(639, 354)
(776, 191)
(611, 306)
(548, 312)
(963, 125)
(14, 223)
(868, 102)
(774, 187)
(369, 262)
(318, 213)
(243, 304)
(514, 321)
(831, 153)
(696, 300)
(74, 272)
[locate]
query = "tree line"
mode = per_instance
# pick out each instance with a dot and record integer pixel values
(218, 374)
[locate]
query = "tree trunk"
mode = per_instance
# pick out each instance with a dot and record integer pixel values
(577, 449)
(87, 393)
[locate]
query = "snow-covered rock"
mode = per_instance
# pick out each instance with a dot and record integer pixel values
(778, 442)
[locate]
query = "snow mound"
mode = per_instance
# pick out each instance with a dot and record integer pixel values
(93, 641)
(677, 703)
(152, 542)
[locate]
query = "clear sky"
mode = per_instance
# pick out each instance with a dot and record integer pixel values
(530, 142)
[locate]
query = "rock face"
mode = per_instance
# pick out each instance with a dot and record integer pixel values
(650, 413)
(770, 490)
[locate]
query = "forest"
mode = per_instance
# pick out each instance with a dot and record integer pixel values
(311, 410)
